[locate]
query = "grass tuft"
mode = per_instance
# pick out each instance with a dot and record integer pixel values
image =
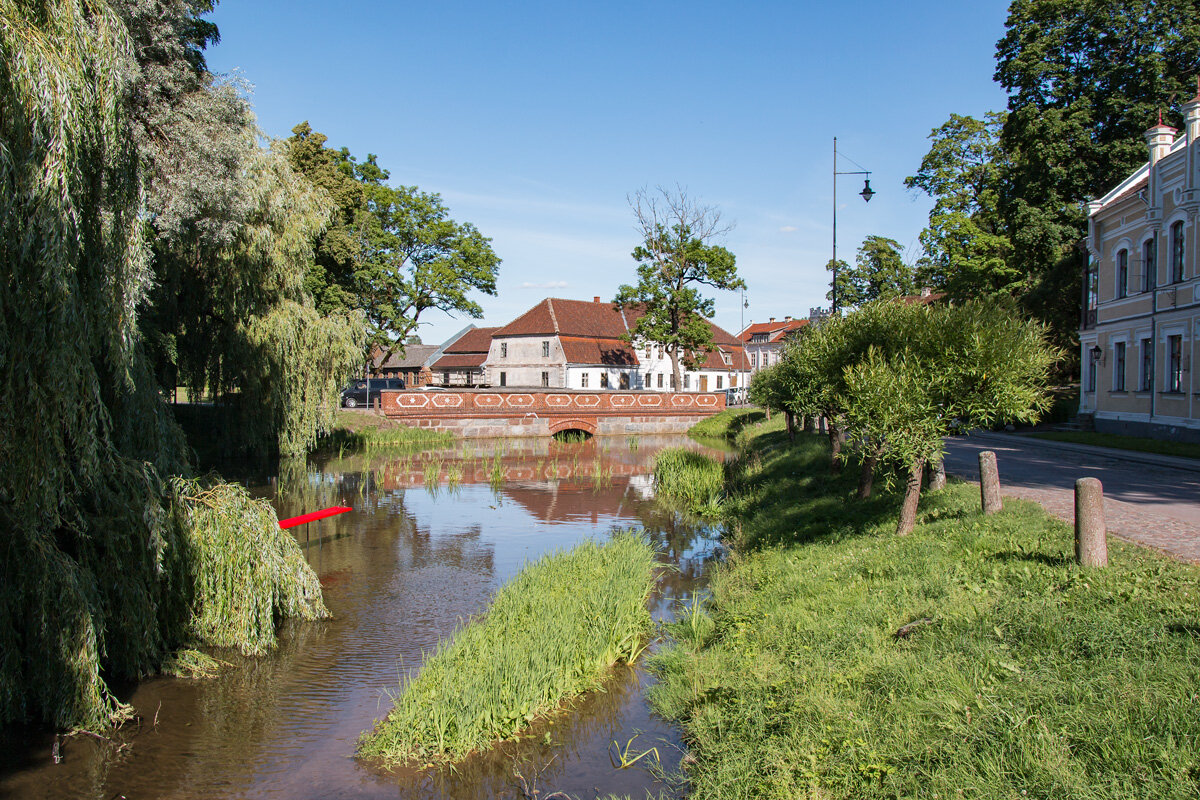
(551, 633)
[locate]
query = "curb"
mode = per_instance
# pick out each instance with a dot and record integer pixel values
(1172, 462)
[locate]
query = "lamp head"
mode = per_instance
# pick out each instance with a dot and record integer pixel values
(867, 193)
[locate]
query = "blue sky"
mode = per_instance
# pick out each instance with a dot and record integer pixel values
(536, 121)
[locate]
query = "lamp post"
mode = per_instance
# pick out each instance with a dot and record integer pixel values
(866, 194)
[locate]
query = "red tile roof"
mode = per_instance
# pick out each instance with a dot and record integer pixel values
(612, 352)
(476, 340)
(459, 361)
(922, 299)
(776, 331)
(568, 318)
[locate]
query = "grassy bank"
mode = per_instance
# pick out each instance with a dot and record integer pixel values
(969, 659)
(689, 478)
(551, 633)
(1180, 449)
(357, 432)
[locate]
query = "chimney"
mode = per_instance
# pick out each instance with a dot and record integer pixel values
(1191, 115)
(788, 318)
(596, 299)
(1159, 139)
(772, 320)
(926, 291)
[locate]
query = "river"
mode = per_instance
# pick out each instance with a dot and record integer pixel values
(433, 534)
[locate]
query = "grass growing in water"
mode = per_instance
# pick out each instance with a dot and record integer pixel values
(690, 478)
(1029, 676)
(551, 633)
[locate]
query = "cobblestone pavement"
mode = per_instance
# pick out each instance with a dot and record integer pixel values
(1152, 505)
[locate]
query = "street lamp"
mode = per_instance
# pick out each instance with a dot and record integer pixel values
(866, 194)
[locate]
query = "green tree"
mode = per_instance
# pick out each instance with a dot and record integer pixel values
(1085, 80)
(967, 251)
(879, 272)
(944, 369)
(677, 256)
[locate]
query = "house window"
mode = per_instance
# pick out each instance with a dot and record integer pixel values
(1119, 367)
(754, 360)
(1091, 371)
(687, 381)
(545, 349)
(545, 379)
(446, 378)
(624, 380)
(603, 380)
(1177, 252)
(720, 382)
(660, 380)
(1175, 375)
(1149, 265)
(504, 349)
(660, 351)
(583, 380)
(1147, 382)
(1122, 273)
(725, 357)
(647, 351)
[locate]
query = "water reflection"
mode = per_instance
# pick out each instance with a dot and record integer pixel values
(433, 534)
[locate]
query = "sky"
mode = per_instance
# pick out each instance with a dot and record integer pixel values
(536, 122)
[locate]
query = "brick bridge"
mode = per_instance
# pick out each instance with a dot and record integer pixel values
(544, 412)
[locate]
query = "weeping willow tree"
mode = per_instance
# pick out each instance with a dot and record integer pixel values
(105, 565)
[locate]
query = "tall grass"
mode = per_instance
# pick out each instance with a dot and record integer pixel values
(551, 633)
(1026, 677)
(689, 478)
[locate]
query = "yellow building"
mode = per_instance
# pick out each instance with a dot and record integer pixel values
(1141, 314)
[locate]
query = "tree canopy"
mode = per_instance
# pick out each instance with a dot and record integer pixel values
(879, 272)
(678, 254)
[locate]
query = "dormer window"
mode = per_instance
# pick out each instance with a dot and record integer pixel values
(725, 357)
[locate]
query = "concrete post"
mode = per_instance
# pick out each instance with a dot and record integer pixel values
(989, 482)
(1091, 534)
(937, 475)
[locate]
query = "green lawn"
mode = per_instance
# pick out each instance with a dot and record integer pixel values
(1181, 449)
(1024, 676)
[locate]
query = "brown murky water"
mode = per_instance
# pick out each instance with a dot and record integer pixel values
(432, 536)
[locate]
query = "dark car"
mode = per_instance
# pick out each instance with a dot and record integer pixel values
(356, 395)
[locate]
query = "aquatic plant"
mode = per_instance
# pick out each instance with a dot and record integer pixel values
(691, 478)
(551, 633)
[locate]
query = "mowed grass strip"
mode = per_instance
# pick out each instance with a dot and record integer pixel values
(1024, 675)
(551, 633)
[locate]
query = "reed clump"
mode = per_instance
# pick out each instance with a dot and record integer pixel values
(689, 478)
(551, 633)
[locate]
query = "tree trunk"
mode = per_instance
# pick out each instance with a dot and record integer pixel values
(835, 449)
(936, 478)
(676, 375)
(791, 426)
(912, 494)
(866, 477)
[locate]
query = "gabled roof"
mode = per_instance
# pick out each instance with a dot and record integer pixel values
(776, 331)
(555, 315)
(415, 356)
(925, 298)
(469, 351)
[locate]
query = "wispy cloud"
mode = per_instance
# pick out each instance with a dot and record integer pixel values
(546, 285)
(788, 229)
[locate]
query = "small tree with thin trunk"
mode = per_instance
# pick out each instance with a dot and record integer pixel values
(944, 369)
(678, 254)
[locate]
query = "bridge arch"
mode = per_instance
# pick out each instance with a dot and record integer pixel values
(588, 426)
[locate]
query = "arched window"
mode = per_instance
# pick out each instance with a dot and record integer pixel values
(1122, 273)
(1177, 252)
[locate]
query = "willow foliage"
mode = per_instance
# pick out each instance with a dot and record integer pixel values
(102, 564)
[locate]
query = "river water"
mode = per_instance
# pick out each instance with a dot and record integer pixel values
(433, 534)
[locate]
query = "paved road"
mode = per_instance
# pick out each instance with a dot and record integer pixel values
(1154, 504)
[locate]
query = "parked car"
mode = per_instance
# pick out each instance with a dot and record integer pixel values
(357, 394)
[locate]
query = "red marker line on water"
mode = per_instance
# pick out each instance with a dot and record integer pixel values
(313, 516)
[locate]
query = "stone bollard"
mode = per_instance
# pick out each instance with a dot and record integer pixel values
(989, 482)
(1091, 534)
(936, 475)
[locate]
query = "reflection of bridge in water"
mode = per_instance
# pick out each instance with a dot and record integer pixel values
(543, 412)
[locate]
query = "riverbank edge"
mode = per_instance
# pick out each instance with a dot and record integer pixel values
(550, 634)
(971, 658)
